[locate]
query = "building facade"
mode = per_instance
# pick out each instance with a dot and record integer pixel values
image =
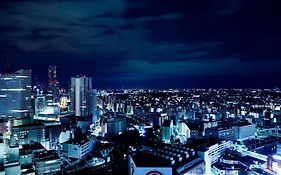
(81, 96)
(15, 94)
(53, 83)
(78, 148)
(27, 133)
(47, 162)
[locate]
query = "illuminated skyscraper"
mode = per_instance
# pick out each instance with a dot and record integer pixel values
(15, 94)
(81, 96)
(53, 83)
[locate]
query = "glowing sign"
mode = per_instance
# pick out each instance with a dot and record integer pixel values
(63, 102)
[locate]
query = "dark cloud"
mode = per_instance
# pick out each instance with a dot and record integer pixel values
(130, 41)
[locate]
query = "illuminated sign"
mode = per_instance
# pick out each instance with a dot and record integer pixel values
(63, 102)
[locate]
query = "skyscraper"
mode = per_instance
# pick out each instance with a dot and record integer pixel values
(95, 110)
(81, 96)
(53, 83)
(15, 94)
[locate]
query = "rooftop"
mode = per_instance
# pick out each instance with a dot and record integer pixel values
(46, 155)
(78, 141)
(29, 125)
(164, 156)
(223, 166)
(29, 148)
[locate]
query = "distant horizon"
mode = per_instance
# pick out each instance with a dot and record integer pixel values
(64, 80)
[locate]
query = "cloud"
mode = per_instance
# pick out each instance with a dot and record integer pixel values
(126, 37)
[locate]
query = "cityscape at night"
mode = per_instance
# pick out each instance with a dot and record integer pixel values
(140, 87)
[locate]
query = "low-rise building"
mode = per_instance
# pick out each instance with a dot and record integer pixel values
(31, 132)
(211, 153)
(47, 162)
(26, 153)
(166, 160)
(78, 148)
(114, 126)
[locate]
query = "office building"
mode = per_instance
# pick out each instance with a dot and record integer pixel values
(11, 162)
(95, 109)
(15, 94)
(31, 132)
(167, 131)
(26, 153)
(224, 133)
(78, 148)
(40, 105)
(211, 153)
(246, 132)
(53, 83)
(47, 162)
(81, 96)
(238, 132)
(114, 126)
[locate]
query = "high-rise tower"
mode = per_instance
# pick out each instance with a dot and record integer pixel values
(53, 83)
(81, 96)
(15, 94)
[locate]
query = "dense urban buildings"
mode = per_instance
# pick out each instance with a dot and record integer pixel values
(136, 131)
(145, 87)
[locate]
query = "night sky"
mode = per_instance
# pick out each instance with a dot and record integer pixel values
(146, 43)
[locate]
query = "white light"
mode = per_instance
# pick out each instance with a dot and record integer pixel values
(276, 157)
(51, 161)
(8, 124)
(21, 76)
(12, 89)
(20, 110)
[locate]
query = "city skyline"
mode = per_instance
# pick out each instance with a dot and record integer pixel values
(148, 44)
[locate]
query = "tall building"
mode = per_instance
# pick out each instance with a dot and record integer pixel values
(15, 94)
(167, 131)
(81, 96)
(53, 83)
(95, 110)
